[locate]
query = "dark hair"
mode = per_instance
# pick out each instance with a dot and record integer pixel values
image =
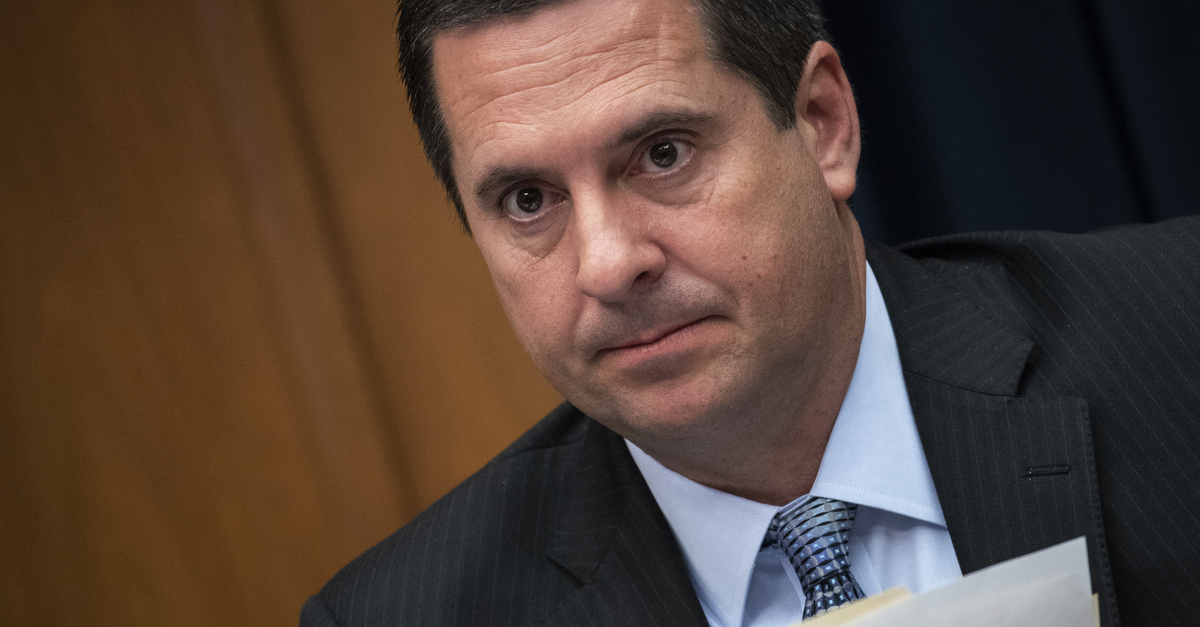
(765, 40)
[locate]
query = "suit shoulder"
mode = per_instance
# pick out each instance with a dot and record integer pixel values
(459, 561)
(1172, 242)
(1126, 296)
(1156, 262)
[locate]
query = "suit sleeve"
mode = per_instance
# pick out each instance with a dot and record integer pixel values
(315, 614)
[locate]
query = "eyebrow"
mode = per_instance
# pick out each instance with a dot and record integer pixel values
(501, 177)
(656, 121)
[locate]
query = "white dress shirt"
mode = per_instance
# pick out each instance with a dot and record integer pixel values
(874, 458)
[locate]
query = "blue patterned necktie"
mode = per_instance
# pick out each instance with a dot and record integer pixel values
(813, 535)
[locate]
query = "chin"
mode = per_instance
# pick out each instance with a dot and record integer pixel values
(664, 415)
(696, 404)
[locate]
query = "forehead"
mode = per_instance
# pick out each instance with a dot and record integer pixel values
(577, 65)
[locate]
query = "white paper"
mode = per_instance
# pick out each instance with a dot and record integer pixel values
(1048, 588)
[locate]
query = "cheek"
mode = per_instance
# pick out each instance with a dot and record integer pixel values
(776, 247)
(535, 297)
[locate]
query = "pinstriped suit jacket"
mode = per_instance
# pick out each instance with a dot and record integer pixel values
(1055, 381)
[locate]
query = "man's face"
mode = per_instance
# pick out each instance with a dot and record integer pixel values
(672, 262)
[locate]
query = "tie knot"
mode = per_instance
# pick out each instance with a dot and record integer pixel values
(813, 535)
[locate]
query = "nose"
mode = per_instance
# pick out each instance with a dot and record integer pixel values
(618, 256)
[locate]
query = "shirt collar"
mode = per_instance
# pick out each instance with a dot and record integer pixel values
(720, 534)
(874, 455)
(873, 458)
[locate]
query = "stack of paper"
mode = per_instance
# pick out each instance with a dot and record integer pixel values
(1048, 588)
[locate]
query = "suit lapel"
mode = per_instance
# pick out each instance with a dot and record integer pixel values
(1013, 475)
(615, 541)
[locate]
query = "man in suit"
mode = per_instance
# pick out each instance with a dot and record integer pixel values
(660, 192)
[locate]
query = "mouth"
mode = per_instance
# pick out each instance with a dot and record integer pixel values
(650, 340)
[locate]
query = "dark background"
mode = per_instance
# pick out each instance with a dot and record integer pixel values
(1066, 115)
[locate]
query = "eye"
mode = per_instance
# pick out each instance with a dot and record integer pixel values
(524, 203)
(665, 154)
(529, 202)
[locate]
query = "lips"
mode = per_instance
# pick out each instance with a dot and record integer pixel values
(663, 353)
(649, 341)
(650, 337)
(670, 313)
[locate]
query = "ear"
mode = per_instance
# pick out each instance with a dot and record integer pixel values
(828, 119)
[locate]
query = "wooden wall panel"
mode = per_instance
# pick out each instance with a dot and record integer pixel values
(241, 338)
(460, 384)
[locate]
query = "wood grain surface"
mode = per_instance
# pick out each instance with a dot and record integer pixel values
(241, 337)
